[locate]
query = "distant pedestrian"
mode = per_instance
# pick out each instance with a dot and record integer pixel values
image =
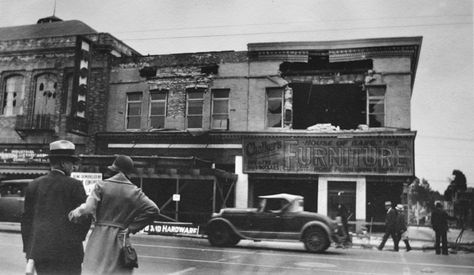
(390, 226)
(402, 227)
(439, 222)
(49, 238)
(343, 215)
(120, 208)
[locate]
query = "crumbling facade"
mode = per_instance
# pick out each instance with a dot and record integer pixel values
(326, 120)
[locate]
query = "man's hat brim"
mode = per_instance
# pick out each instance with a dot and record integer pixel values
(64, 156)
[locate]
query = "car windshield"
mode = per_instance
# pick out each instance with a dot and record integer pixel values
(280, 204)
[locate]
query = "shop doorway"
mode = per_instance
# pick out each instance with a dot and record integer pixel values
(345, 193)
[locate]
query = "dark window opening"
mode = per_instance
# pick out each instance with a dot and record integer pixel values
(211, 69)
(320, 64)
(342, 105)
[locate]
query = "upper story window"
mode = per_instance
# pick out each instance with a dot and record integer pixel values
(194, 107)
(46, 92)
(157, 112)
(220, 108)
(274, 115)
(134, 111)
(13, 95)
(376, 106)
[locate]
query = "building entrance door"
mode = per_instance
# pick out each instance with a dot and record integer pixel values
(345, 193)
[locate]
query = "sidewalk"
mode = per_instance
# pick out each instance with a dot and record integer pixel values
(421, 238)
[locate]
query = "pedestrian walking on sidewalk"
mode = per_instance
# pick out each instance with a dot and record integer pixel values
(390, 226)
(53, 245)
(120, 208)
(439, 222)
(402, 227)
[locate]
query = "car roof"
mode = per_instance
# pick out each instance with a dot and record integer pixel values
(288, 197)
(20, 181)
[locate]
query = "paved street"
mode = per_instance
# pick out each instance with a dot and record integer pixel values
(173, 255)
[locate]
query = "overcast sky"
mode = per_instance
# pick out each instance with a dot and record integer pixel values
(442, 106)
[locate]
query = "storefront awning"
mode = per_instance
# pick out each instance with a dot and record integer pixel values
(23, 171)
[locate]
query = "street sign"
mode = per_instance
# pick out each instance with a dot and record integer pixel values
(176, 197)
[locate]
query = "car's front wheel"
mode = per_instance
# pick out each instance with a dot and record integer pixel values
(220, 234)
(315, 240)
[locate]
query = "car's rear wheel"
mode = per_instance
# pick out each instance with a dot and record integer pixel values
(315, 240)
(220, 234)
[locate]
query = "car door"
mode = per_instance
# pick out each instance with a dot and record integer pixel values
(266, 224)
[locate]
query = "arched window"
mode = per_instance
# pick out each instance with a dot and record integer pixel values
(13, 97)
(45, 98)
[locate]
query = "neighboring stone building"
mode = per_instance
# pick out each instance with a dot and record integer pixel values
(318, 119)
(54, 82)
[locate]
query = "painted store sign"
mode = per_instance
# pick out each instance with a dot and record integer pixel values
(381, 155)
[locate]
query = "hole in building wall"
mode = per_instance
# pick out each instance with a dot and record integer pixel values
(341, 103)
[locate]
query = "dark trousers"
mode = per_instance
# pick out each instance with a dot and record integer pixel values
(58, 268)
(395, 239)
(441, 236)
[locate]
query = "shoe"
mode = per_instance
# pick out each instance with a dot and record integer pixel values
(445, 253)
(379, 248)
(408, 249)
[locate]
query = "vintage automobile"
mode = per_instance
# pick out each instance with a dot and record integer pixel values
(278, 217)
(12, 199)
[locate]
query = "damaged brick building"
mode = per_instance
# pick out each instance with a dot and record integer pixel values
(324, 120)
(318, 119)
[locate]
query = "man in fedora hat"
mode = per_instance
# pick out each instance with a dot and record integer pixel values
(390, 226)
(402, 226)
(49, 238)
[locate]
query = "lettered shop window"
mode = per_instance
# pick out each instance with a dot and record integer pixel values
(220, 108)
(158, 108)
(134, 110)
(194, 104)
(376, 106)
(274, 107)
(13, 96)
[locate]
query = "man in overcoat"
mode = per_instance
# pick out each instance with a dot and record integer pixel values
(49, 238)
(390, 226)
(439, 222)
